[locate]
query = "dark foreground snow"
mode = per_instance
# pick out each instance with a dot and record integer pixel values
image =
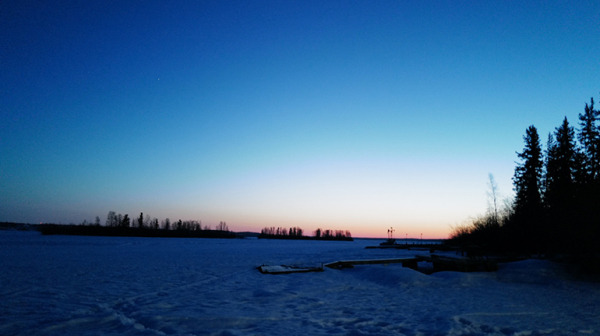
(57, 285)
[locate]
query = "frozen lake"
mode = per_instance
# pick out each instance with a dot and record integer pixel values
(57, 285)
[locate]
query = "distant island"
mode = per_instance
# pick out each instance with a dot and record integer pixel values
(92, 230)
(118, 225)
(297, 233)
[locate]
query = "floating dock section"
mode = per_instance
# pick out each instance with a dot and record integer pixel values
(284, 269)
(419, 247)
(445, 263)
(440, 263)
(406, 262)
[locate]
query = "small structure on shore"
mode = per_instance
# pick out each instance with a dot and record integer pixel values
(390, 238)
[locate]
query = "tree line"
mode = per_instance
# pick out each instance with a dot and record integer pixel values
(147, 222)
(297, 233)
(556, 208)
(142, 226)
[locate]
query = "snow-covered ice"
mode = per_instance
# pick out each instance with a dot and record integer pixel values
(57, 285)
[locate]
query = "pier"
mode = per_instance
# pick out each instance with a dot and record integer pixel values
(440, 263)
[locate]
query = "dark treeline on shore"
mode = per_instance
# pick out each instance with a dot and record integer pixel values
(297, 233)
(18, 226)
(143, 226)
(557, 204)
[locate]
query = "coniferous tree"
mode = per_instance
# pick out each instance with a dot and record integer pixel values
(527, 179)
(589, 137)
(557, 203)
(141, 220)
(559, 180)
(587, 233)
(527, 183)
(561, 164)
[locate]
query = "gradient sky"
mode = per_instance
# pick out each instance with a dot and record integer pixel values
(353, 115)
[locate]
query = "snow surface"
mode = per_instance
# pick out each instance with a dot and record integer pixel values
(57, 285)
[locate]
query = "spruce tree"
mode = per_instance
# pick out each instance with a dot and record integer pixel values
(526, 223)
(587, 232)
(589, 137)
(561, 163)
(560, 187)
(528, 174)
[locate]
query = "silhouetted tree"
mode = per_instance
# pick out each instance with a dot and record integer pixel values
(222, 226)
(528, 174)
(589, 138)
(148, 221)
(527, 183)
(141, 220)
(556, 208)
(492, 194)
(125, 222)
(587, 233)
(559, 187)
(111, 219)
(561, 165)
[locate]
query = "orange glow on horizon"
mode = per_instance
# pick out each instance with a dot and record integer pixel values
(412, 232)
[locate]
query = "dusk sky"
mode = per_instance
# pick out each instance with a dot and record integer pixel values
(350, 115)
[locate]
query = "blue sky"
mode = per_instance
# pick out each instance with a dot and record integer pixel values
(355, 115)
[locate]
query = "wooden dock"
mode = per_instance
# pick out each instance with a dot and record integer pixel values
(351, 263)
(440, 263)
(445, 263)
(285, 269)
(419, 247)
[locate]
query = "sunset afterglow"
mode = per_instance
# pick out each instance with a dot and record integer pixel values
(356, 116)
